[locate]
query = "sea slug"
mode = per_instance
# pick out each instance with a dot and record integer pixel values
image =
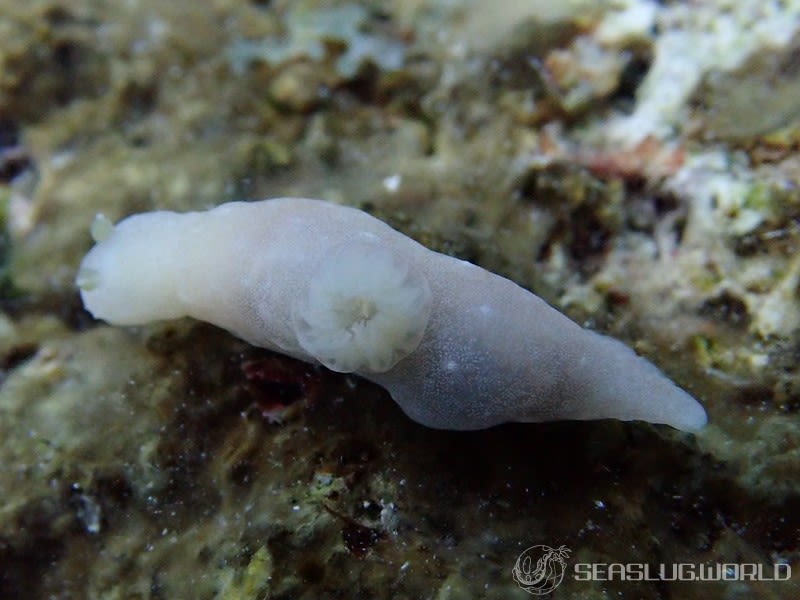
(456, 346)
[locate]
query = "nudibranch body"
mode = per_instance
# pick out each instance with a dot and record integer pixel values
(456, 346)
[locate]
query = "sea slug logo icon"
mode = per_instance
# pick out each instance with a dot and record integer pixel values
(540, 569)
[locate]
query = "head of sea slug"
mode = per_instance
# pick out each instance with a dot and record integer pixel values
(365, 309)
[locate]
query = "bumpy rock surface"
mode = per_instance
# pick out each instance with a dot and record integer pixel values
(620, 160)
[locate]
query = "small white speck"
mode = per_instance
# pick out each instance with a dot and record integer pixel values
(451, 365)
(599, 504)
(392, 182)
(296, 507)
(485, 309)
(61, 159)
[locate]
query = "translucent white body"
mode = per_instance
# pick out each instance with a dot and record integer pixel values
(457, 347)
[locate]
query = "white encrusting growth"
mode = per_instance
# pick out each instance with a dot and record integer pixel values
(456, 346)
